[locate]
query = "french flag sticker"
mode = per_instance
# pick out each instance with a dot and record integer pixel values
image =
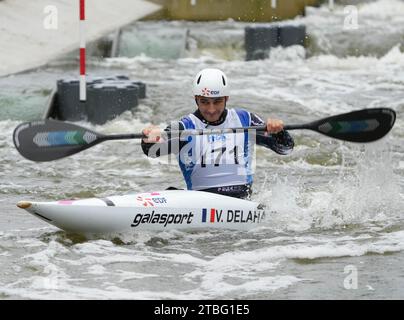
(205, 215)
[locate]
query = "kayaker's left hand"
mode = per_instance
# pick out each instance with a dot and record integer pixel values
(274, 125)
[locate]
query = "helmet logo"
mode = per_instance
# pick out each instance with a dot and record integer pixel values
(206, 92)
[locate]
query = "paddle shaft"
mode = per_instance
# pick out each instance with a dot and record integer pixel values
(200, 132)
(178, 132)
(197, 132)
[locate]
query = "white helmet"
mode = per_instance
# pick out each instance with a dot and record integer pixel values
(211, 83)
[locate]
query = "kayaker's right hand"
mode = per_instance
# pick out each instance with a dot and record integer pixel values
(152, 134)
(274, 125)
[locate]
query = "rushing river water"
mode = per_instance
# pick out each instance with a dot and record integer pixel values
(336, 209)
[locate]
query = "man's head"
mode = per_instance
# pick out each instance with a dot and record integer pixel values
(211, 91)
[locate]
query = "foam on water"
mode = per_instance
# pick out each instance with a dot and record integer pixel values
(383, 9)
(367, 191)
(62, 272)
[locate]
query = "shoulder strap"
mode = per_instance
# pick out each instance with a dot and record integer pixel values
(188, 123)
(244, 117)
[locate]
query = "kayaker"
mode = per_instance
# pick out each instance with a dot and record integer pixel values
(217, 163)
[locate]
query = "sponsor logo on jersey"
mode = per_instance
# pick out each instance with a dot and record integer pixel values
(235, 216)
(162, 218)
(216, 137)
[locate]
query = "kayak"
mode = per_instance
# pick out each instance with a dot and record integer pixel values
(154, 211)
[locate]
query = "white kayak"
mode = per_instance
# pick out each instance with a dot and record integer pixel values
(161, 210)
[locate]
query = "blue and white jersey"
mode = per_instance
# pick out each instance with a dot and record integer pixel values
(210, 161)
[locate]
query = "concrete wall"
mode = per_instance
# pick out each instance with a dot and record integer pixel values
(239, 10)
(26, 43)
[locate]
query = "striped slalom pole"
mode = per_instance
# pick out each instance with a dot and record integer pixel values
(83, 89)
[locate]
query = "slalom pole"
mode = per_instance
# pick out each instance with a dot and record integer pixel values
(83, 89)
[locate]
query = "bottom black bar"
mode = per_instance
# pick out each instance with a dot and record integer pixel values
(201, 309)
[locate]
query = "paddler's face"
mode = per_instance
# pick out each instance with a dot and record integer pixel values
(211, 108)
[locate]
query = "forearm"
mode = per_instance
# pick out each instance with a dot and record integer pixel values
(154, 150)
(282, 142)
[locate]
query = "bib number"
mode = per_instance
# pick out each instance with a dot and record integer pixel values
(219, 152)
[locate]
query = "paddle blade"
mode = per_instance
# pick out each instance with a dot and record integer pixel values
(365, 125)
(51, 140)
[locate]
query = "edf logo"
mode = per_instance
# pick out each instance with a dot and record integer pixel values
(206, 92)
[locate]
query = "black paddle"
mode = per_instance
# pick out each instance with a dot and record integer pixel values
(51, 140)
